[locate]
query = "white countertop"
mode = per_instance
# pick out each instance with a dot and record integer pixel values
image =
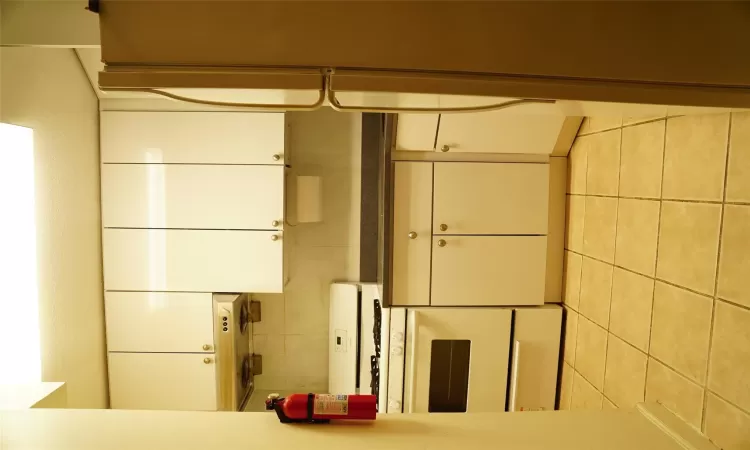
(131, 430)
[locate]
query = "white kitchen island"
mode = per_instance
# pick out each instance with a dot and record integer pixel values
(648, 427)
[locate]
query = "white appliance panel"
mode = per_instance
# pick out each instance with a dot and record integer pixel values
(343, 336)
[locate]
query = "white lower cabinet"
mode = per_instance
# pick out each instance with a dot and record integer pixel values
(173, 381)
(488, 270)
(167, 322)
(193, 260)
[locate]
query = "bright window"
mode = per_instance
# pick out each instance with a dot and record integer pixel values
(19, 303)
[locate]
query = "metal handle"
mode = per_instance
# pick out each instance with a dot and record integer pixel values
(207, 360)
(275, 223)
(412, 330)
(412, 235)
(445, 148)
(514, 376)
(443, 227)
(206, 347)
(277, 157)
(274, 237)
(441, 243)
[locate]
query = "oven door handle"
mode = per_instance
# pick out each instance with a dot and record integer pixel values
(514, 376)
(412, 333)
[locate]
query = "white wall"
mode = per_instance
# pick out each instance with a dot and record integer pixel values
(47, 90)
(293, 335)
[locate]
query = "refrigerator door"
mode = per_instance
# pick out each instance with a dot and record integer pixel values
(457, 359)
(343, 339)
(536, 352)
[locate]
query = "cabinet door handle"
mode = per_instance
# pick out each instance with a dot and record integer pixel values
(412, 235)
(442, 243)
(277, 157)
(275, 223)
(443, 227)
(206, 347)
(445, 148)
(274, 237)
(207, 360)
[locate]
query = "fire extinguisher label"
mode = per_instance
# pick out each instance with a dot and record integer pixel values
(332, 405)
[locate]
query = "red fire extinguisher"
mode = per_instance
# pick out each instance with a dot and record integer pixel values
(321, 408)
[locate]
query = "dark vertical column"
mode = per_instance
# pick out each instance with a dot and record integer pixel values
(372, 141)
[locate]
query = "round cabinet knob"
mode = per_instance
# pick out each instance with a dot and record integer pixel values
(206, 347)
(206, 360)
(445, 148)
(275, 223)
(274, 237)
(397, 336)
(397, 350)
(441, 243)
(277, 157)
(412, 235)
(443, 227)
(394, 404)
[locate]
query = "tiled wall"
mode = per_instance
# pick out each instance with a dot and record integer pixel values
(657, 270)
(293, 335)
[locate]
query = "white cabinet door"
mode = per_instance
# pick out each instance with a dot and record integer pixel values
(457, 359)
(192, 260)
(491, 198)
(416, 132)
(192, 137)
(192, 196)
(536, 358)
(174, 381)
(488, 270)
(159, 322)
(499, 132)
(412, 234)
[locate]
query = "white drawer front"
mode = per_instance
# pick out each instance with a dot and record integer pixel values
(192, 137)
(173, 381)
(192, 196)
(483, 198)
(159, 322)
(488, 270)
(192, 260)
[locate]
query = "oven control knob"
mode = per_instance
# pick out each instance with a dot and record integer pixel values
(397, 336)
(397, 350)
(394, 404)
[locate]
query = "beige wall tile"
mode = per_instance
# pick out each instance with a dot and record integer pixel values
(571, 332)
(727, 426)
(599, 123)
(272, 313)
(585, 396)
(577, 162)
(633, 120)
(680, 330)
(599, 232)
(566, 387)
(591, 351)
(272, 347)
(678, 394)
(603, 166)
(574, 223)
(637, 230)
(304, 355)
(734, 266)
(695, 157)
(596, 290)
(630, 316)
(689, 245)
(738, 175)
(641, 159)
(729, 369)
(572, 280)
(625, 375)
(607, 404)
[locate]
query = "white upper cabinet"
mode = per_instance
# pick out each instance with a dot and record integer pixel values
(412, 233)
(416, 132)
(192, 260)
(192, 196)
(192, 137)
(162, 322)
(488, 270)
(490, 198)
(503, 131)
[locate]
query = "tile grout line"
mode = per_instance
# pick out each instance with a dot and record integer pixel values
(653, 199)
(712, 323)
(614, 258)
(580, 275)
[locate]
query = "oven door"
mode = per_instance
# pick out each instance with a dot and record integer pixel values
(457, 359)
